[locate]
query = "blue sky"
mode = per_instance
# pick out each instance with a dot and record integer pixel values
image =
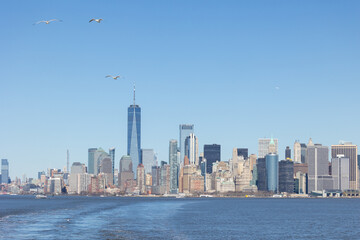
(216, 64)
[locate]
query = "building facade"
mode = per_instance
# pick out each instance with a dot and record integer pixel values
(212, 153)
(4, 171)
(184, 131)
(272, 172)
(134, 134)
(192, 149)
(174, 166)
(341, 172)
(286, 176)
(264, 146)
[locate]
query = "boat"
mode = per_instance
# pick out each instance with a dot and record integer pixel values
(39, 196)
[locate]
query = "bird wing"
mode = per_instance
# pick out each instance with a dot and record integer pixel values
(39, 22)
(109, 76)
(92, 20)
(52, 20)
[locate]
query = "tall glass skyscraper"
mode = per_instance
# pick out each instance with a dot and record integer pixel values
(212, 153)
(134, 134)
(112, 157)
(4, 171)
(91, 159)
(185, 130)
(272, 172)
(174, 166)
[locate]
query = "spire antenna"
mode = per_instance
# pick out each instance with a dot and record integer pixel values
(134, 94)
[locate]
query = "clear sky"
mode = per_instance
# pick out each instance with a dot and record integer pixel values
(238, 70)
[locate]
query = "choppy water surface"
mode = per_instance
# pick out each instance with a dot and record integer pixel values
(24, 217)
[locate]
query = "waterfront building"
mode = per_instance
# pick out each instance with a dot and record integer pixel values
(148, 159)
(299, 152)
(156, 179)
(165, 178)
(125, 172)
(196, 183)
(106, 169)
(174, 166)
(272, 171)
(341, 172)
(99, 155)
(300, 183)
(76, 169)
(54, 186)
(212, 153)
(112, 157)
(4, 171)
(192, 149)
(184, 131)
(264, 146)
(287, 153)
(349, 150)
(318, 168)
(261, 174)
(140, 178)
(134, 134)
(91, 160)
(286, 176)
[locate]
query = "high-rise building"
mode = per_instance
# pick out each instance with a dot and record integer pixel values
(318, 168)
(125, 172)
(192, 149)
(165, 178)
(212, 153)
(272, 172)
(99, 155)
(184, 130)
(91, 160)
(174, 166)
(148, 159)
(106, 169)
(349, 151)
(4, 171)
(140, 178)
(286, 176)
(340, 172)
(112, 157)
(134, 134)
(299, 152)
(264, 146)
(287, 153)
(243, 152)
(156, 179)
(76, 169)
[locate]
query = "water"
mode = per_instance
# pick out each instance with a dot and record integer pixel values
(24, 217)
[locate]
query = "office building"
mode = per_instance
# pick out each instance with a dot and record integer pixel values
(112, 157)
(148, 159)
(261, 174)
(99, 155)
(299, 152)
(212, 153)
(106, 169)
(243, 152)
(340, 172)
(349, 150)
(4, 171)
(91, 160)
(192, 149)
(184, 130)
(286, 176)
(174, 166)
(264, 146)
(140, 178)
(134, 134)
(126, 173)
(318, 168)
(272, 172)
(76, 169)
(287, 153)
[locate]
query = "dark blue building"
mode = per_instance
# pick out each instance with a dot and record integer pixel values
(212, 153)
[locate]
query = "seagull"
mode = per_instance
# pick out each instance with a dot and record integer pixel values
(96, 20)
(114, 77)
(48, 21)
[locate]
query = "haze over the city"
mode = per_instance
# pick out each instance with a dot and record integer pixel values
(237, 70)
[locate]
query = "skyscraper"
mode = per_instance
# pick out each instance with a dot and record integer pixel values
(184, 130)
(99, 155)
(91, 159)
(243, 152)
(340, 172)
(125, 172)
(212, 153)
(192, 149)
(349, 151)
(286, 176)
(264, 146)
(174, 166)
(287, 152)
(148, 159)
(318, 168)
(261, 174)
(4, 171)
(272, 172)
(134, 134)
(112, 157)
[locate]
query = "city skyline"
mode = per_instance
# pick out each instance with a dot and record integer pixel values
(262, 58)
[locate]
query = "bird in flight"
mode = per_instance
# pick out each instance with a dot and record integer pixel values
(114, 77)
(48, 21)
(98, 20)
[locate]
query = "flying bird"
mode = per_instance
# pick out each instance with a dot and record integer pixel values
(48, 21)
(114, 77)
(98, 20)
